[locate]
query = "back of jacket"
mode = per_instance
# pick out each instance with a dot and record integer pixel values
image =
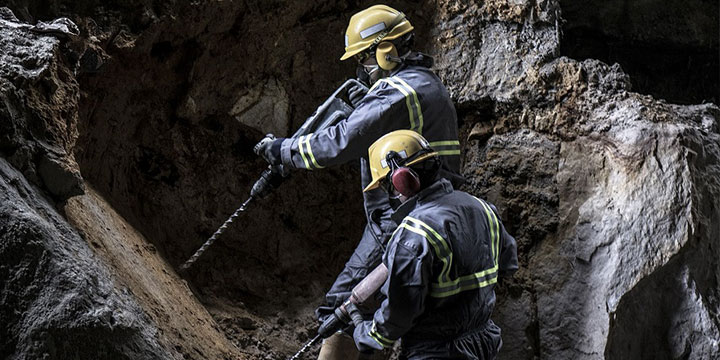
(412, 98)
(443, 260)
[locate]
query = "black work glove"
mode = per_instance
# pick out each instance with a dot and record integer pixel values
(269, 149)
(265, 184)
(356, 93)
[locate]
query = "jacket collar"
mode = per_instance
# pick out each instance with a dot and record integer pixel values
(437, 189)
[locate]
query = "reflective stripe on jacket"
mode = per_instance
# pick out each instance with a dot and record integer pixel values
(412, 98)
(443, 261)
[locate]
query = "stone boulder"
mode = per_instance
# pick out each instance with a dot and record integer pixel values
(611, 194)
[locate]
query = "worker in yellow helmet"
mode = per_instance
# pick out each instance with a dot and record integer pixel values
(443, 261)
(403, 94)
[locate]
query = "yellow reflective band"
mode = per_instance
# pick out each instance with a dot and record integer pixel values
(372, 335)
(446, 262)
(467, 282)
(470, 286)
(448, 152)
(407, 101)
(445, 287)
(497, 237)
(477, 275)
(444, 253)
(445, 143)
(375, 85)
(309, 149)
(417, 103)
(494, 230)
(302, 153)
(380, 339)
(375, 335)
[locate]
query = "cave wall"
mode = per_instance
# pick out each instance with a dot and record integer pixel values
(78, 282)
(601, 186)
(58, 300)
(610, 193)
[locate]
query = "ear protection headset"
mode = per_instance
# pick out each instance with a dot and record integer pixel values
(404, 179)
(386, 54)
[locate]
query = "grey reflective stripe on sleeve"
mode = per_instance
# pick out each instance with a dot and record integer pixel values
(494, 230)
(445, 286)
(411, 100)
(446, 147)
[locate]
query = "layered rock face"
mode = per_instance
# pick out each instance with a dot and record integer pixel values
(611, 194)
(61, 298)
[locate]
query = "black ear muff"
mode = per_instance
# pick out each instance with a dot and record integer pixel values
(406, 181)
(386, 55)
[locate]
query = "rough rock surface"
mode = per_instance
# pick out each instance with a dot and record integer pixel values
(184, 324)
(57, 300)
(38, 105)
(608, 192)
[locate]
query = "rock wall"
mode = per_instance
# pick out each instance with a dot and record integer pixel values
(39, 106)
(610, 193)
(60, 297)
(58, 300)
(605, 190)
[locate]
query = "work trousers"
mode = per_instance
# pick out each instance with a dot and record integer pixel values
(478, 344)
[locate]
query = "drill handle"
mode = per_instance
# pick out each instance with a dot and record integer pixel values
(268, 181)
(369, 285)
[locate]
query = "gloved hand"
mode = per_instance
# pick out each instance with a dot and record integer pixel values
(269, 149)
(268, 181)
(356, 93)
(281, 170)
(363, 342)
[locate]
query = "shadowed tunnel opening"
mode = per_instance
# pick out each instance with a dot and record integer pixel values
(669, 48)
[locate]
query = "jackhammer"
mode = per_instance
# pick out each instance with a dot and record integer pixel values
(344, 314)
(334, 109)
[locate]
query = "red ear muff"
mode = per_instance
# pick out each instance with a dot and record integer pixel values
(406, 181)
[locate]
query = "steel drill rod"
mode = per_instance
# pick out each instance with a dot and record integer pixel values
(214, 236)
(305, 347)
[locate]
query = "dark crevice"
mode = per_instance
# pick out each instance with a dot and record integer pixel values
(669, 50)
(678, 74)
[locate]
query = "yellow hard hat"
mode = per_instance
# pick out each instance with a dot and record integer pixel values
(372, 25)
(408, 144)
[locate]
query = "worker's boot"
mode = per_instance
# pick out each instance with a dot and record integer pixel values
(338, 347)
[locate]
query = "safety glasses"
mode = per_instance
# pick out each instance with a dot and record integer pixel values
(362, 57)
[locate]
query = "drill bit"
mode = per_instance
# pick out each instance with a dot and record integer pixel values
(214, 236)
(305, 347)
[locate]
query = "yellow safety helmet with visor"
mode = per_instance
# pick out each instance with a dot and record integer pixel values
(369, 27)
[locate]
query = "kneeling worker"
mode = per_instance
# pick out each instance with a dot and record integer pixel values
(443, 260)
